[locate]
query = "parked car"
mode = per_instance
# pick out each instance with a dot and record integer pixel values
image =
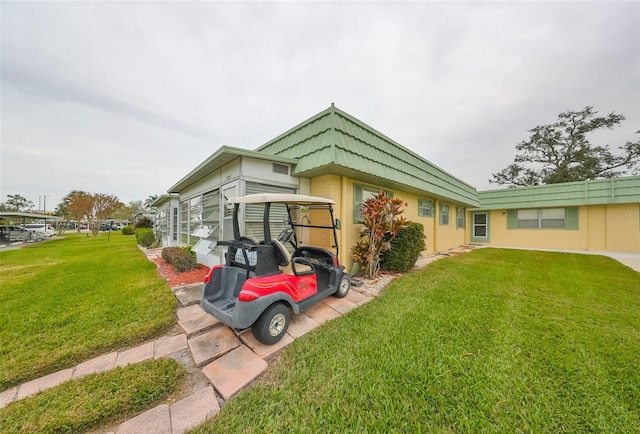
(43, 228)
(108, 227)
(11, 232)
(255, 288)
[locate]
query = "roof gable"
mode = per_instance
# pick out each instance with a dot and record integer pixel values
(222, 156)
(335, 142)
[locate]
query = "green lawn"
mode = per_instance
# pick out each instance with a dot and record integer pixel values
(67, 300)
(96, 400)
(490, 341)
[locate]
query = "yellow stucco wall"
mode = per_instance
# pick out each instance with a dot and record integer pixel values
(623, 227)
(341, 189)
(601, 227)
(447, 236)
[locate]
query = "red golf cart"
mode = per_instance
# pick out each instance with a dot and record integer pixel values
(266, 275)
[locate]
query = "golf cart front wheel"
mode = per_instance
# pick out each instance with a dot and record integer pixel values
(271, 326)
(343, 286)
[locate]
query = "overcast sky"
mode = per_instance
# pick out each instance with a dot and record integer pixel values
(126, 98)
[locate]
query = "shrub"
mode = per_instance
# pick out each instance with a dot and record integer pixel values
(145, 237)
(188, 249)
(168, 253)
(144, 222)
(183, 260)
(128, 230)
(405, 249)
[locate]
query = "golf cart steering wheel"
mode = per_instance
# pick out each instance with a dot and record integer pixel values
(287, 236)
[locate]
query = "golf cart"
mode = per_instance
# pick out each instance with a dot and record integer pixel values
(280, 264)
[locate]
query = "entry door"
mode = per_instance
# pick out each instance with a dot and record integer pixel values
(480, 227)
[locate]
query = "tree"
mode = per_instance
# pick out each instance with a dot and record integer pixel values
(382, 221)
(103, 206)
(17, 202)
(78, 205)
(129, 211)
(94, 208)
(561, 152)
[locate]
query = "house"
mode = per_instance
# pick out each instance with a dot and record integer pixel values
(599, 215)
(335, 155)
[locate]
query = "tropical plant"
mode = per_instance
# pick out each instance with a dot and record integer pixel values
(382, 220)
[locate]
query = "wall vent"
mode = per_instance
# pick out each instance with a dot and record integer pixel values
(280, 168)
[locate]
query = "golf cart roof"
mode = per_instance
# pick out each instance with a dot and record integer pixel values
(292, 199)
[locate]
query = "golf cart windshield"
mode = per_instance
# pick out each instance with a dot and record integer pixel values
(294, 220)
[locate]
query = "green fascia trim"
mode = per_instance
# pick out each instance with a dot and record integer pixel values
(596, 192)
(222, 156)
(336, 141)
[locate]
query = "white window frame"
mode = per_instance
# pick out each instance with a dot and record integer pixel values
(425, 204)
(443, 217)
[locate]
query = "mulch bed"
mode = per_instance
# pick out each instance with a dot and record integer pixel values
(175, 278)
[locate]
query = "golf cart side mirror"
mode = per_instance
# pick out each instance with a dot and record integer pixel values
(337, 224)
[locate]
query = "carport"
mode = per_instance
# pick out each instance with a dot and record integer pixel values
(21, 218)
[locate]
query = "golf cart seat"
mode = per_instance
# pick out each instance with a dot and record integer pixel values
(270, 257)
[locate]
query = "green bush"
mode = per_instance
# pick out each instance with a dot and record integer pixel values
(405, 249)
(145, 237)
(128, 230)
(144, 222)
(184, 260)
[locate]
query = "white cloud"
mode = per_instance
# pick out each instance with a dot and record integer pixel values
(128, 97)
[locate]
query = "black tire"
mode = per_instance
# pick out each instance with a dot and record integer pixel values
(272, 325)
(343, 286)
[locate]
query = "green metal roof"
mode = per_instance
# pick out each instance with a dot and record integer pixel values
(597, 192)
(334, 142)
(222, 156)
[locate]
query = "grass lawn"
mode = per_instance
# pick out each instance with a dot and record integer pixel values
(490, 341)
(95, 400)
(68, 300)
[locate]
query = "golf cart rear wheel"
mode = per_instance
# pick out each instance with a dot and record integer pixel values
(271, 326)
(343, 286)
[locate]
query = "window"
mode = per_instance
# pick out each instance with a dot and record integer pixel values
(480, 225)
(360, 194)
(444, 214)
(175, 224)
(161, 226)
(184, 222)
(208, 227)
(195, 220)
(211, 215)
(460, 217)
(425, 207)
(541, 218)
(545, 218)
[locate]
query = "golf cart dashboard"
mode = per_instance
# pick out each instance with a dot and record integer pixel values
(317, 256)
